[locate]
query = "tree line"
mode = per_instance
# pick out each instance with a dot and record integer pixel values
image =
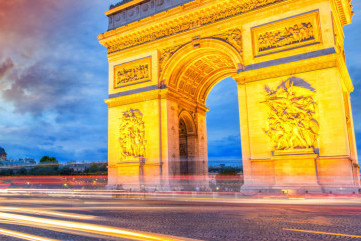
(49, 166)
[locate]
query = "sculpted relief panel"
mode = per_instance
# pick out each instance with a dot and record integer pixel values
(133, 72)
(285, 34)
(292, 122)
(132, 135)
(233, 37)
(166, 54)
(283, 37)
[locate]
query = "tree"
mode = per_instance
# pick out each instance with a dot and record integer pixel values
(48, 160)
(228, 179)
(96, 168)
(44, 170)
(66, 171)
(47, 166)
(22, 171)
(6, 172)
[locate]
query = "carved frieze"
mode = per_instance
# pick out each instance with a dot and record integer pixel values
(133, 72)
(166, 54)
(233, 37)
(292, 121)
(286, 34)
(189, 22)
(132, 135)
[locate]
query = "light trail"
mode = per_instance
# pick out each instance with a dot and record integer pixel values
(91, 228)
(324, 233)
(24, 236)
(46, 213)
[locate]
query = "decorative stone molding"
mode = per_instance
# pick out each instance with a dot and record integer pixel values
(128, 12)
(232, 37)
(186, 23)
(166, 54)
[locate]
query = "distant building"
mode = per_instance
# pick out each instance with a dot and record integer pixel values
(30, 161)
(81, 166)
(27, 162)
(4, 162)
(3, 154)
(214, 170)
(77, 166)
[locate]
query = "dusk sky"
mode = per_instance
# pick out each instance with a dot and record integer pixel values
(53, 82)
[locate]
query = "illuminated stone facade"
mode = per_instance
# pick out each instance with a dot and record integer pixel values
(294, 89)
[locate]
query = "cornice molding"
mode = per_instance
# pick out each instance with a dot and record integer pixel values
(344, 10)
(119, 39)
(122, 7)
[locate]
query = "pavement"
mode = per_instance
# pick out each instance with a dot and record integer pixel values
(99, 215)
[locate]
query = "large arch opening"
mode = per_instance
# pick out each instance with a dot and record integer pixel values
(187, 144)
(183, 148)
(223, 126)
(190, 74)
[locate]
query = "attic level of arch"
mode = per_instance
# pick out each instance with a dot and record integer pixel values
(190, 14)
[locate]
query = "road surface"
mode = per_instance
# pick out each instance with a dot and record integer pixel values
(45, 217)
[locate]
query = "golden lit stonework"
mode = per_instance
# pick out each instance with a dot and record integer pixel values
(165, 58)
(189, 22)
(287, 33)
(132, 135)
(132, 73)
(292, 120)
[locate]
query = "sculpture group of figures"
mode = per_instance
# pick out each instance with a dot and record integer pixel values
(292, 120)
(132, 134)
(127, 75)
(291, 35)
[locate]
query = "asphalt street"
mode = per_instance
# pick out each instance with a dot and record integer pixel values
(51, 217)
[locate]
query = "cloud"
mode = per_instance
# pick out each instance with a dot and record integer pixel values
(225, 149)
(5, 67)
(223, 115)
(54, 80)
(40, 88)
(355, 73)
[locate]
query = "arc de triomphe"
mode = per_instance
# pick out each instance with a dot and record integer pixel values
(287, 58)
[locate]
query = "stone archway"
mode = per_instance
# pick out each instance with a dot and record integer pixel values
(190, 72)
(194, 68)
(293, 91)
(183, 149)
(187, 144)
